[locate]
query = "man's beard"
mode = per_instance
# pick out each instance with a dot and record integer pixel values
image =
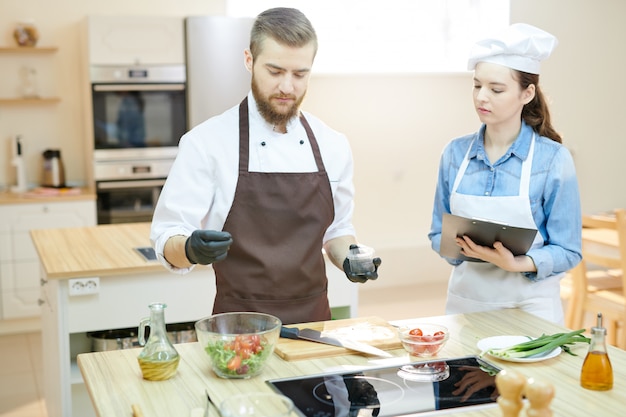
(268, 112)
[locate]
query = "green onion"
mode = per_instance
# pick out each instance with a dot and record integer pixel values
(543, 344)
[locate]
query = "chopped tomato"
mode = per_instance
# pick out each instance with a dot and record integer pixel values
(418, 349)
(424, 344)
(416, 332)
(255, 339)
(245, 344)
(234, 363)
(245, 353)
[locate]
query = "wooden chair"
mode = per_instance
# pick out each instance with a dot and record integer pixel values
(600, 221)
(598, 278)
(587, 300)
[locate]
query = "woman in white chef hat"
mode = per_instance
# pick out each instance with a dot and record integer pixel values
(514, 170)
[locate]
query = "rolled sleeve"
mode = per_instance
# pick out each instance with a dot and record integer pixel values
(158, 242)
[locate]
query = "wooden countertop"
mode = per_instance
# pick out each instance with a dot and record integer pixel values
(101, 250)
(85, 194)
(114, 379)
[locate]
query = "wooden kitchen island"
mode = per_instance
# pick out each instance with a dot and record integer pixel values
(115, 382)
(93, 279)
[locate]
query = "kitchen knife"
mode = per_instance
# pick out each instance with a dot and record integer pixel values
(316, 336)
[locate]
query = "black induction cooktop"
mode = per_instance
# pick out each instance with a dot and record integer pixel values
(422, 388)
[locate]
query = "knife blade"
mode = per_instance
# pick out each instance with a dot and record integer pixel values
(316, 336)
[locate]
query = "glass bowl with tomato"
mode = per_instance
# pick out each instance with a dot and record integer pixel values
(423, 340)
(238, 344)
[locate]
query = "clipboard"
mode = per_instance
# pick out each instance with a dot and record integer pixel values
(484, 232)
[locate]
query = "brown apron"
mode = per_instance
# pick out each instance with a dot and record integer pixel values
(278, 220)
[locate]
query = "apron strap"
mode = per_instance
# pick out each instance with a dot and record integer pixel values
(244, 136)
(314, 146)
(244, 139)
(524, 185)
(463, 167)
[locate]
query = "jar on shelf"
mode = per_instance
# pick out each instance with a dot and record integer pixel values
(28, 88)
(26, 33)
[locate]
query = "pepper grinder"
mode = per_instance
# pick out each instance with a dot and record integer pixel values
(540, 395)
(510, 385)
(597, 372)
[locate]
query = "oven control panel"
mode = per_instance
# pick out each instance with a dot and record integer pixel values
(107, 171)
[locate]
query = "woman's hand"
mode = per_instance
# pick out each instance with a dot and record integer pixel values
(473, 381)
(498, 255)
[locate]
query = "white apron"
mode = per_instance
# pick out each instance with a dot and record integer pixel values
(481, 286)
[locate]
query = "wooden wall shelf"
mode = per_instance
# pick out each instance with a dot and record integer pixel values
(17, 100)
(28, 49)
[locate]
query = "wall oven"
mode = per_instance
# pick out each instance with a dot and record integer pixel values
(127, 201)
(139, 115)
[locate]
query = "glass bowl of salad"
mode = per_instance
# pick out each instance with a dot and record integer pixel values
(238, 344)
(423, 340)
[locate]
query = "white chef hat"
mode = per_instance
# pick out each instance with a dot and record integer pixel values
(520, 46)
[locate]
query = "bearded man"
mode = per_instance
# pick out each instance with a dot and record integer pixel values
(260, 190)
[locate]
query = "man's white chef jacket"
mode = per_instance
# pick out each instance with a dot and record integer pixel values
(200, 187)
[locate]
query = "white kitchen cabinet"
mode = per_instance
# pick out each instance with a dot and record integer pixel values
(19, 263)
(140, 40)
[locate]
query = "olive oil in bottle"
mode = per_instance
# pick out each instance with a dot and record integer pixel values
(597, 372)
(159, 359)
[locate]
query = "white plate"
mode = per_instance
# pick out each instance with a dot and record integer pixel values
(496, 342)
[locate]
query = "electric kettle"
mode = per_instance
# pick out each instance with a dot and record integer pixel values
(53, 170)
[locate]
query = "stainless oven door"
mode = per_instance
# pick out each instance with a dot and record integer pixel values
(146, 115)
(128, 201)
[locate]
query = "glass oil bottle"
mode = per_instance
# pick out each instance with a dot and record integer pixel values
(597, 372)
(159, 359)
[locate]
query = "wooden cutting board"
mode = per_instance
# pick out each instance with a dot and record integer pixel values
(371, 330)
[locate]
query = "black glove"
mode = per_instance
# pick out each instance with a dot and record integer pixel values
(362, 395)
(207, 246)
(361, 277)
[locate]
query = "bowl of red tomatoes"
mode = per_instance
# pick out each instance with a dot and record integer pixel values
(238, 344)
(424, 340)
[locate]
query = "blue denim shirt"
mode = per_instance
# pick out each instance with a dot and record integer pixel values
(554, 195)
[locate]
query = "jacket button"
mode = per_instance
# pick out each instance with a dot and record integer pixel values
(263, 143)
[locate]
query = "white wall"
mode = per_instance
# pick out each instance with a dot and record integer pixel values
(397, 127)
(585, 79)
(397, 124)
